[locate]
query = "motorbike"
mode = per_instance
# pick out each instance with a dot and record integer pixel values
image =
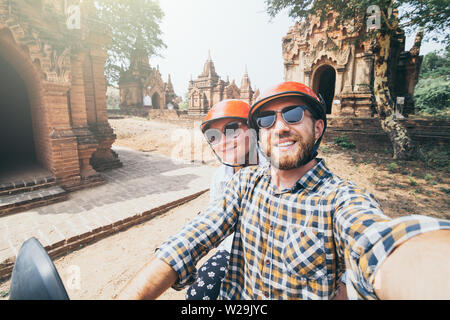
(34, 276)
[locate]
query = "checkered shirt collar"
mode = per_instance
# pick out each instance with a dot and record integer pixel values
(308, 181)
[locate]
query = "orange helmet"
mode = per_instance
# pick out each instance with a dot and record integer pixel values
(229, 108)
(289, 89)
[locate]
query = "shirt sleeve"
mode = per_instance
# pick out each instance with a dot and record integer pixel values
(183, 250)
(365, 236)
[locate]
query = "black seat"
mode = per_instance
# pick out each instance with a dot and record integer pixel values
(34, 276)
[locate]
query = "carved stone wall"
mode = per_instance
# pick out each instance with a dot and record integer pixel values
(310, 46)
(63, 71)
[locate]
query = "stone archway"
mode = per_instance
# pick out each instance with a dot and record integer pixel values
(324, 83)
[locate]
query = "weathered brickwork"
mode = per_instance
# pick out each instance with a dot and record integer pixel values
(63, 75)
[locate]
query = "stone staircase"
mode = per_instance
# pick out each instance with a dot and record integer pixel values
(32, 192)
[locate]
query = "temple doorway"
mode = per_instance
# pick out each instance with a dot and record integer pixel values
(156, 101)
(324, 84)
(16, 129)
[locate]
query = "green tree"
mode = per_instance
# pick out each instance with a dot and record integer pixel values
(421, 16)
(432, 97)
(436, 64)
(432, 94)
(131, 22)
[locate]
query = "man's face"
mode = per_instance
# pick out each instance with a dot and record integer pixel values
(289, 146)
(232, 141)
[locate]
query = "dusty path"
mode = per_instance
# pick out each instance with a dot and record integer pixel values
(100, 270)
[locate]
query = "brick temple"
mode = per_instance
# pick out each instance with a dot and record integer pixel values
(54, 130)
(333, 64)
(342, 71)
(142, 87)
(208, 89)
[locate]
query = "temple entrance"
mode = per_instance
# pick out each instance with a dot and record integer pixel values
(16, 129)
(324, 83)
(156, 101)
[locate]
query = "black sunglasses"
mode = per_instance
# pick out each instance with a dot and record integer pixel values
(230, 130)
(291, 115)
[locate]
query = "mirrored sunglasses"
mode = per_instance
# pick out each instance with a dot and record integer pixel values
(231, 131)
(291, 115)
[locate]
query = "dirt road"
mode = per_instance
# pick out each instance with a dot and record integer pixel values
(100, 270)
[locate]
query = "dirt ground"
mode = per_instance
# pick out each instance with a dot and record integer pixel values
(100, 270)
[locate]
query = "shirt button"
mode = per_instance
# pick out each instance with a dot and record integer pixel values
(266, 294)
(267, 261)
(271, 227)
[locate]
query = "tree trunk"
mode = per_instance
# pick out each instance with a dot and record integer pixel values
(401, 142)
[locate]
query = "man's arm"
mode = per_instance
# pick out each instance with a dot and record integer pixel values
(418, 269)
(390, 249)
(150, 282)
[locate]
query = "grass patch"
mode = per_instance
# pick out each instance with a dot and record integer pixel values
(325, 149)
(412, 182)
(344, 142)
(4, 294)
(434, 157)
(419, 190)
(445, 190)
(392, 167)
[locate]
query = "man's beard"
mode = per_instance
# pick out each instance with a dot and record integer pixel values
(293, 159)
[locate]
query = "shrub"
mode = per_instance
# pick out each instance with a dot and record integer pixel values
(432, 96)
(435, 157)
(325, 149)
(392, 167)
(446, 190)
(344, 142)
(412, 181)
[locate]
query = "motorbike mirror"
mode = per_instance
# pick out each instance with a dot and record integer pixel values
(34, 275)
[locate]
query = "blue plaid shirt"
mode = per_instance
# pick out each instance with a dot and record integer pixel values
(293, 243)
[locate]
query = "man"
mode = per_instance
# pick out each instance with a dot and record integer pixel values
(298, 226)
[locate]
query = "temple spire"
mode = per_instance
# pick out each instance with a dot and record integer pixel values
(245, 83)
(209, 71)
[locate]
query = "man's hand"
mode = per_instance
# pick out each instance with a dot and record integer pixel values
(417, 269)
(150, 282)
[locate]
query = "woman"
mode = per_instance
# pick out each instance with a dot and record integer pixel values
(226, 131)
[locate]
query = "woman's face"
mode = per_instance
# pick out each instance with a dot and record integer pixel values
(230, 140)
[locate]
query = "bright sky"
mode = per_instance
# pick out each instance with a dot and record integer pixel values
(238, 33)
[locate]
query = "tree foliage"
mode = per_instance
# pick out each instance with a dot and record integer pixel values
(431, 16)
(436, 64)
(432, 94)
(131, 22)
